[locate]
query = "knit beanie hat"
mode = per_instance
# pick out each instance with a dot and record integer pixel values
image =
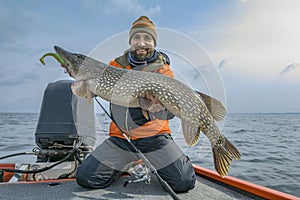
(143, 24)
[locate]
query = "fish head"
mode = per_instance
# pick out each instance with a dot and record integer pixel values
(73, 61)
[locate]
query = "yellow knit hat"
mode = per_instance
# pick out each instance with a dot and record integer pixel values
(143, 24)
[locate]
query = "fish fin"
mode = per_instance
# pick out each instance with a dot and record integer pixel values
(80, 88)
(145, 103)
(214, 106)
(223, 153)
(89, 96)
(146, 114)
(191, 133)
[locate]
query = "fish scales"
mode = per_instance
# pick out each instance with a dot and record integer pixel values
(197, 111)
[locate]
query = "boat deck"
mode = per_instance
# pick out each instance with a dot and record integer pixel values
(68, 189)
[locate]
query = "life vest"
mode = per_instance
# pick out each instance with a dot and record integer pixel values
(130, 120)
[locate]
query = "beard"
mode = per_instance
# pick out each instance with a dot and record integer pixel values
(142, 57)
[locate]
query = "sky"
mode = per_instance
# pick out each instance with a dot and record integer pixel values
(254, 45)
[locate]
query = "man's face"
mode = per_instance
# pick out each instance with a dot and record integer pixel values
(142, 45)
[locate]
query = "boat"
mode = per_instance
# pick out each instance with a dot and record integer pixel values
(64, 140)
(209, 185)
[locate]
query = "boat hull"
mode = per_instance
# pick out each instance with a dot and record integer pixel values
(209, 185)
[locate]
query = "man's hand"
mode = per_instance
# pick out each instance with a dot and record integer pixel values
(156, 106)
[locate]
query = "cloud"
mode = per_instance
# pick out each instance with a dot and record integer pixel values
(121, 7)
(15, 25)
(289, 68)
(261, 40)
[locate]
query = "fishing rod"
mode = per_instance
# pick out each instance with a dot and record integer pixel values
(162, 182)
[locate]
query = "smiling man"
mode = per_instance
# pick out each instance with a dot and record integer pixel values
(149, 130)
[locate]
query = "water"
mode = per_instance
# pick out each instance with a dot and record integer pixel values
(269, 144)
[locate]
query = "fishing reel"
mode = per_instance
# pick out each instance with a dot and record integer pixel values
(138, 173)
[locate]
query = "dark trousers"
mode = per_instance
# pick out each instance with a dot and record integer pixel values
(113, 156)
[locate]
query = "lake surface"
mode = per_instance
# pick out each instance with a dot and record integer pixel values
(269, 144)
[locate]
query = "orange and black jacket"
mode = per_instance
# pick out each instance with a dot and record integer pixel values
(132, 120)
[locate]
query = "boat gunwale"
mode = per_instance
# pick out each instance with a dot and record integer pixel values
(246, 186)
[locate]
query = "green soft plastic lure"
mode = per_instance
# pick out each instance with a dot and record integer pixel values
(56, 56)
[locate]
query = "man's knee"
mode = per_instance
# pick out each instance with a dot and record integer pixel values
(180, 175)
(183, 183)
(98, 177)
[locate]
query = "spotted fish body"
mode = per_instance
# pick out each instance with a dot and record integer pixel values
(198, 112)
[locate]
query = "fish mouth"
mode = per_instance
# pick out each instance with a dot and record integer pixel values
(63, 53)
(58, 50)
(68, 57)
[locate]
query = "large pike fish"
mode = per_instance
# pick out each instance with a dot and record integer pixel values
(198, 112)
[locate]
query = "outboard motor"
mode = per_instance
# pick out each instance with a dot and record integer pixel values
(64, 120)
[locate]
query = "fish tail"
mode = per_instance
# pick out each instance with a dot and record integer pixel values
(223, 153)
(232, 150)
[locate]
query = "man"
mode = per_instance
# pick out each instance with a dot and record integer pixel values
(149, 130)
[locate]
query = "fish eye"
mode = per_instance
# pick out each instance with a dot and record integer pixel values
(79, 56)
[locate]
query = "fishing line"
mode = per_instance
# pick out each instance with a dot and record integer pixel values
(163, 183)
(114, 121)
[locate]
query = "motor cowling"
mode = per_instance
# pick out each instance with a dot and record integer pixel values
(63, 118)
